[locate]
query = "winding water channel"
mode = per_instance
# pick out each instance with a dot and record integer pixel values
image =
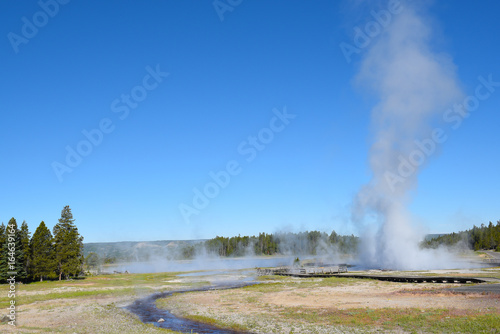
(223, 273)
(146, 310)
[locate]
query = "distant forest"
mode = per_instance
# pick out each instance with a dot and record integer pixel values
(483, 237)
(284, 243)
(309, 243)
(303, 243)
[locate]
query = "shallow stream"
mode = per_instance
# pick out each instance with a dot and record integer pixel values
(146, 310)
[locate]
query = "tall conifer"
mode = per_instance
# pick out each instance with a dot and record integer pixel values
(3, 254)
(42, 253)
(25, 235)
(68, 245)
(12, 254)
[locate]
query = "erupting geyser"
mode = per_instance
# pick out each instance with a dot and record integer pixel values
(415, 86)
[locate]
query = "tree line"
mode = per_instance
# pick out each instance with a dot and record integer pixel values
(306, 243)
(45, 255)
(483, 237)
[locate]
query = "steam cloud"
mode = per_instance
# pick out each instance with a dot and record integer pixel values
(414, 86)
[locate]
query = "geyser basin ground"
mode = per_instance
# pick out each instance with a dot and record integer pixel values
(146, 310)
(279, 305)
(330, 305)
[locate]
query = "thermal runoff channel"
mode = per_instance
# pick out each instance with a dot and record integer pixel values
(414, 87)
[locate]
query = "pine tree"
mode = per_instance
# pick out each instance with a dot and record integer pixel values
(24, 235)
(42, 252)
(13, 257)
(2, 235)
(3, 253)
(68, 245)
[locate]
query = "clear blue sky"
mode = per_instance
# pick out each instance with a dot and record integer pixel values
(225, 78)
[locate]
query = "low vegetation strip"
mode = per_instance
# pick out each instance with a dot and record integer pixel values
(23, 300)
(429, 320)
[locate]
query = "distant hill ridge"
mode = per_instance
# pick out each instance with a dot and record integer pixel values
(148, 250)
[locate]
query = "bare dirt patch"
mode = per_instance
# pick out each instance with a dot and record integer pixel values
(93, 305)
(78, 315)
(370, 294)
(316, 306)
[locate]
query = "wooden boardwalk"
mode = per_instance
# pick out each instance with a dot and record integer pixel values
(308, 271)
(419, 279)
(339, 271)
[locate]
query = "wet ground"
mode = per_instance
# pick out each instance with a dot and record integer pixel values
(224, 279)
(147, 312)
(480, 288)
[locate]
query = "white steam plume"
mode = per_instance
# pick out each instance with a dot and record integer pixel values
(414, 85)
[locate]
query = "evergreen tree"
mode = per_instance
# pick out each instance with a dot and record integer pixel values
(3, 253)
(42, 252)
(25, 235)
(484, 237)
(68, 245)
(285, 243)
(13, 257)
(2, 235)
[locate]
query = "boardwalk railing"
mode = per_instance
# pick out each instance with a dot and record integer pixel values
(335, 272)
(494, 261)
(295, 271)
